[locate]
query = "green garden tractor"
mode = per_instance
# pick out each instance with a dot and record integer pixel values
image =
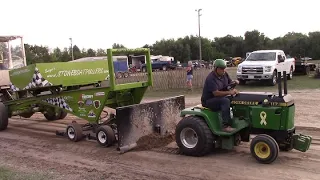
(269, 117)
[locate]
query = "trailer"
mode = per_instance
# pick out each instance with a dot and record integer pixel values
(85, 89)
(302, 66)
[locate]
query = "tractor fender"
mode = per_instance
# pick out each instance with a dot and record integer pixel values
(211, 118)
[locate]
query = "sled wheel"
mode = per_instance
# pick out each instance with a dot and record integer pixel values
(27, 115)
(264, 149)
(52, 116)
(105, 135)
(74, 132)
(193, 136)
(63, 114)
(3, 117)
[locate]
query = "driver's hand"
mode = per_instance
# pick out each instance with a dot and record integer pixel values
(237, 92)
(233, 92)
(236, 81)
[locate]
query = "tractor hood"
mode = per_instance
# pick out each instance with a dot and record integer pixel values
(256, 98)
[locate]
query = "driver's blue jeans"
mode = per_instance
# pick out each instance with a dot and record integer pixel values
(220, 104)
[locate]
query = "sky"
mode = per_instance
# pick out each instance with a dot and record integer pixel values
(100, 23)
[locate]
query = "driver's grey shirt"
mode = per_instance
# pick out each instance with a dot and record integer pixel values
(213, 83)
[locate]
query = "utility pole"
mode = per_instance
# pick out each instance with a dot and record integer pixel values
(71, 49)
(200, 53)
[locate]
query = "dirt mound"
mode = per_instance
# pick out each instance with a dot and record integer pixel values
(153, 140)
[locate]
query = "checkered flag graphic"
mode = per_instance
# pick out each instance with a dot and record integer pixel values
(13, 87)
(37, 81)
(58, 101)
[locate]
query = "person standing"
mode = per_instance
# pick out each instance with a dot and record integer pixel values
(189, 75)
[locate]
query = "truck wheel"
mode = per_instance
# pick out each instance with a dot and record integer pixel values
(164, 68)
(290, 75)
(3, 117)
(105, 136)
(144, 69)
(193, 136)
(125, 74)
(118, 75)
(273, 80)
(264, 149)
(306, 70)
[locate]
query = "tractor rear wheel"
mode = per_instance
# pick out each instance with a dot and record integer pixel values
(4, 119)
(105, 135)
(264, 149)
(193, 136)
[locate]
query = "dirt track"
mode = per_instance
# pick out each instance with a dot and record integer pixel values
(31, 145)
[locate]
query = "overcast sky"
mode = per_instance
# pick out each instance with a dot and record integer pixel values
(100, 23)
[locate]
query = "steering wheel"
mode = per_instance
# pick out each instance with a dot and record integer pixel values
(231, 86)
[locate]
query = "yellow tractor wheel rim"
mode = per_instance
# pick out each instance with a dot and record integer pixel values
(262, 150)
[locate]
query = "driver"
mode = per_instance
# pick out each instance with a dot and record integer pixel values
(213, 95)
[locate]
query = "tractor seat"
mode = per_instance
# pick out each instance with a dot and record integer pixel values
(199, 106)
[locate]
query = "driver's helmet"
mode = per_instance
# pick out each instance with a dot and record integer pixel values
(219, 63)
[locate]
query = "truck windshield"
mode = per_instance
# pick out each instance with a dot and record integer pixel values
(262, 56)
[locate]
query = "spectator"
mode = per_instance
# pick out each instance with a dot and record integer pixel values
(189, 75)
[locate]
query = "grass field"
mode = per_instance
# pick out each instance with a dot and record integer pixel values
(299, 82)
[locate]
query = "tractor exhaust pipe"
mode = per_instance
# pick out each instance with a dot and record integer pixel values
(285, 85)
(279, 84)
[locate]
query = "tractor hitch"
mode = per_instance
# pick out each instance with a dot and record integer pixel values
(301, 142)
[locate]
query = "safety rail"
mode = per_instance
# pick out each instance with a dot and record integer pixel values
(144, 51)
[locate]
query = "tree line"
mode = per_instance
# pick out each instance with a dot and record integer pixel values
(187, 48)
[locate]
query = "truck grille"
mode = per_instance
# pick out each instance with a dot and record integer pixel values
(252, 70)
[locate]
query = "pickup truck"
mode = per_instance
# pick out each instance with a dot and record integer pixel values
(163, 65)
(264, 65)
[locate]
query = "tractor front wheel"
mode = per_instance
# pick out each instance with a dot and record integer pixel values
(264, 149)
(194, 137)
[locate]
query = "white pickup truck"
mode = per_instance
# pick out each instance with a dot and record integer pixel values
(264, 65)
